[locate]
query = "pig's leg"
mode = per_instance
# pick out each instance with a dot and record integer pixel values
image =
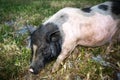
(111, 43)
(67, 48)
(108, 50)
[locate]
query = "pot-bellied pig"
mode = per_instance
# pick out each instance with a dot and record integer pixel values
(57, 37)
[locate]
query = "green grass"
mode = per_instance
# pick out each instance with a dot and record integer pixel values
(14, 56)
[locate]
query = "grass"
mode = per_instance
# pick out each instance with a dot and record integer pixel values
(14, 56)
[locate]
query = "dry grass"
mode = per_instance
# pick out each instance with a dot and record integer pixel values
(14, 56)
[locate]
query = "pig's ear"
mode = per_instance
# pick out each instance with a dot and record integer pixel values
(54, 36)
(30, 29)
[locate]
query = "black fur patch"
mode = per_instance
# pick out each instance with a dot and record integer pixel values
(49, 35)
(103, 7)
(88, 9)
(116, 7)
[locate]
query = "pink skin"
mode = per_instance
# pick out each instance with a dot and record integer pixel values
(31, 70)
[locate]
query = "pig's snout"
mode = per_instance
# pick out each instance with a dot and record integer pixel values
(35, 67)
(33, 70)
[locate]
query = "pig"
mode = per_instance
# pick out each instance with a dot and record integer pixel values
(58, 36)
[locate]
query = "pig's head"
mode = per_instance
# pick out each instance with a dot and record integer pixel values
(45, 46)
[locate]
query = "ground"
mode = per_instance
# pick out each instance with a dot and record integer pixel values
(83, 64)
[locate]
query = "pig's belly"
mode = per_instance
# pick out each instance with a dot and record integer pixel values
(93, 43)
(96, 40)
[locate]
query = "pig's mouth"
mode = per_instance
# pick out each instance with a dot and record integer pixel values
(36, 68)
(34, 71)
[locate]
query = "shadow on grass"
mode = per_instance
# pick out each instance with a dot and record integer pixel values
(8, 69)
(13, 65)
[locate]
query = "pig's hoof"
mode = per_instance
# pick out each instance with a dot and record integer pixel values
(55, 68)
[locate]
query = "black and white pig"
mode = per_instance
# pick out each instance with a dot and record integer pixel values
(57, 37)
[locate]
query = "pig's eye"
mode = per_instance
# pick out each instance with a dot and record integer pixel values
(45, 53)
